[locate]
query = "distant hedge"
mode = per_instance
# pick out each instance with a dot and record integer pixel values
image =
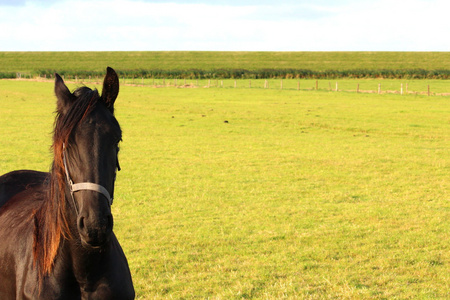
(8, 75)
(252, 74)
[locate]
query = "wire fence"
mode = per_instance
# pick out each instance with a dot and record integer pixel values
(417, 87)
(373, 86)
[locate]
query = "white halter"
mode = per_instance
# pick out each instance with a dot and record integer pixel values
(74, 187)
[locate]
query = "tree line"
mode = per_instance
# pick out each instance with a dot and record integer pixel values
(246, 74)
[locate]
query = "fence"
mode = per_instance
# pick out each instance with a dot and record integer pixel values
(386, 86)
(420, 87)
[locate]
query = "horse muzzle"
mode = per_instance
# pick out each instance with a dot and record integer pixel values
(94, 231)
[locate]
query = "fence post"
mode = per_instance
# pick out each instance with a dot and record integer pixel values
(357, 88)
(379, 88)
(235, 83)
(298, 85)
(401, 88)
(281, 84)
(317, 85)
(428, 90)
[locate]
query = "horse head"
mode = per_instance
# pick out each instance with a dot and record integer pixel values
(86, 145)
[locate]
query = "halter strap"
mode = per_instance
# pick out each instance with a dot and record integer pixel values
(84, 186)
(92, 187)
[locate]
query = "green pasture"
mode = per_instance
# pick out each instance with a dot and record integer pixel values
(184, 60)
(254, 193)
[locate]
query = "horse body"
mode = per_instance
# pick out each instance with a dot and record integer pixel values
(18, 181)
(57, 244)
(16, 236)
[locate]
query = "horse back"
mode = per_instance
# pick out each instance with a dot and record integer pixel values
(18, 181)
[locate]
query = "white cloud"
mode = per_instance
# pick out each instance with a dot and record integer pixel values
(138, 25)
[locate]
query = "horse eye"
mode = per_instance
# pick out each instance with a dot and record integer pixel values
(117, 158)
(117, 163)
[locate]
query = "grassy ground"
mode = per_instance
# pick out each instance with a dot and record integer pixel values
(175, 60)
(253, 193)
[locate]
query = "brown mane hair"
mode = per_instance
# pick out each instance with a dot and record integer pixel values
(51, 225)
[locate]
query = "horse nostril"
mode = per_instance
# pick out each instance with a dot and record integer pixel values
(81, 223)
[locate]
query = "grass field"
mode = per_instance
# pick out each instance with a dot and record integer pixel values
(182, 60)
(266, 194)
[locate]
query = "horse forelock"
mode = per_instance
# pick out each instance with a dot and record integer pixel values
(51, 224)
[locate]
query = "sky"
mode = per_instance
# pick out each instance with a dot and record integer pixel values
(236, 25)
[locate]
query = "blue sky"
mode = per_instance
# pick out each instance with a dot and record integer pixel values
(245, 25)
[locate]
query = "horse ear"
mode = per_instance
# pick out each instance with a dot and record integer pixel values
(110, 88)
(63, 95)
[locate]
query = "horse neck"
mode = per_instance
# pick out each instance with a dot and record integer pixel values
(83, 262)
(87, 265)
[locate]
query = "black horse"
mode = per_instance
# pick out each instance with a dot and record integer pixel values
(56, 238)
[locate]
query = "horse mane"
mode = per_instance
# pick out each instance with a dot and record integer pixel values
(51, 225)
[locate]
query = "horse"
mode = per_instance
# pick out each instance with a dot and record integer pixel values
(56, 228)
